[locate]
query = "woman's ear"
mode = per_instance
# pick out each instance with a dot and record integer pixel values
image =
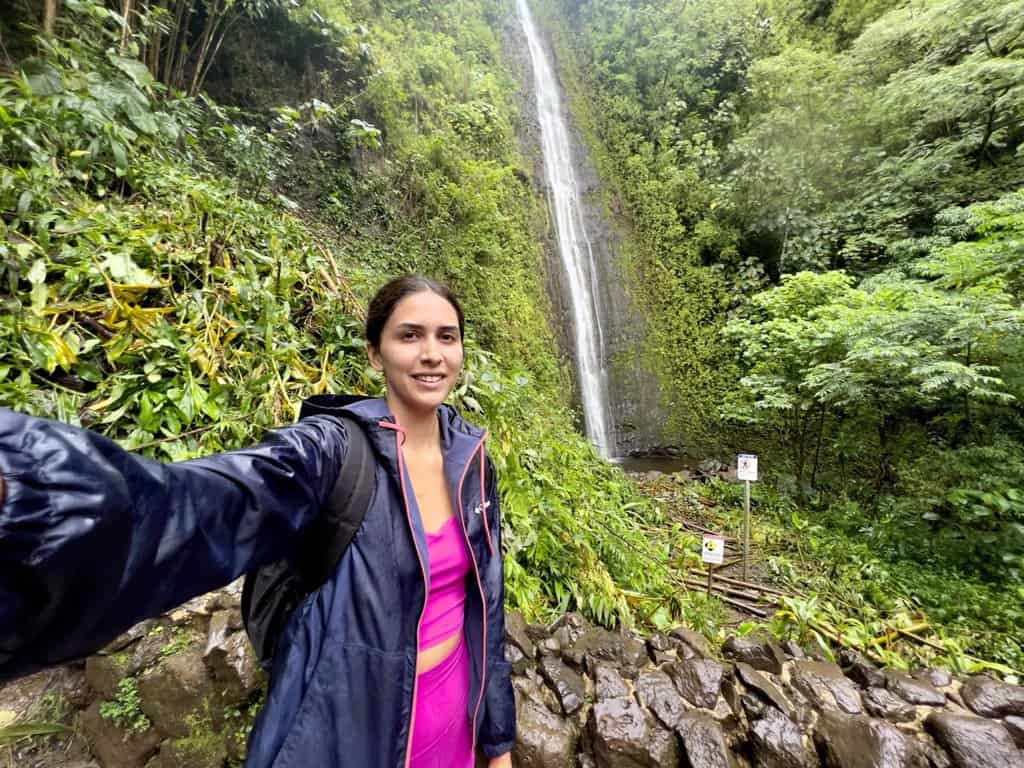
(374, 355)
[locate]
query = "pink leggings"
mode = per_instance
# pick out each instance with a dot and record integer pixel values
(442, 736)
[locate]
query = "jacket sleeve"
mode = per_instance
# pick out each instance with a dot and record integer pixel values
(94, 539)
(498, 727)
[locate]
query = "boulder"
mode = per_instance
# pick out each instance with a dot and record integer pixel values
(174, 689)
(858, 741)
(974, 742)
(698, 680)
(516, 634)
(794, 650)
(765, 688)
(135, 650)
(824, 684)
(595, 642)
(695, 641)
(883, 703)
(656, 692)
(660, 649)
(608, 683)
(991, 698)
(703, 741)
(939, 678)
(565, 682)
(1015, 726)
(519, 661)
(197, 751)
(624, 736)
(543, 739)
(233, 664)
(116, 748)
(757, 649)
(777, 743)
(913, 690)
(860, 670)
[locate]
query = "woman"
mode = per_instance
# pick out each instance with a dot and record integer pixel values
(395, 661)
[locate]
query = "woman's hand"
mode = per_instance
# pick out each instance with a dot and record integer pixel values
(502, 761)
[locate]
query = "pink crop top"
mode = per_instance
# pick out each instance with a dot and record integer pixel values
(449, 564)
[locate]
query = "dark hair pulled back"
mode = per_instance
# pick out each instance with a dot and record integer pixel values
(383, 303)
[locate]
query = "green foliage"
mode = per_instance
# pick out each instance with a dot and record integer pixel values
(124, 710)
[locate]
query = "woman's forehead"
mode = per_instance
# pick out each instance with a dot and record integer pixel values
(424, 308)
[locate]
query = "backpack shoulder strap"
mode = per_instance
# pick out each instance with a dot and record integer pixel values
(330, 534)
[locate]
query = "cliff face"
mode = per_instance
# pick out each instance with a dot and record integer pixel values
(633, 391)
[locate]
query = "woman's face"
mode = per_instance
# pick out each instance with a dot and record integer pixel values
(420, 352)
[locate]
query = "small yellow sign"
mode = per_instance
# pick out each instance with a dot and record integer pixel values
(713, 550)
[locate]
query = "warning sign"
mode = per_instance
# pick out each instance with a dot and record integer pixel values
(746, 467)
(713, 550)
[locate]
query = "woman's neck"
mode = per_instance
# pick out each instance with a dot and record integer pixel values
(421, 428)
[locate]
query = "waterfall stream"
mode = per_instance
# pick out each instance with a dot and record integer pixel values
(574, 247)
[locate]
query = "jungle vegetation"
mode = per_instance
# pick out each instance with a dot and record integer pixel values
(823, 214)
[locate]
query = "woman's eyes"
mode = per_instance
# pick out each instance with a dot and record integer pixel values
(411, 335)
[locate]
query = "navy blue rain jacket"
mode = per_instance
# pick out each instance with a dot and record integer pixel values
(94, 539)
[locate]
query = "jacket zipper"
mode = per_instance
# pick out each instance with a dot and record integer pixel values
(426, 587)
(480, 586)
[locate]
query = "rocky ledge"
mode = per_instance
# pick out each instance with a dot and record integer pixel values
(182, 690)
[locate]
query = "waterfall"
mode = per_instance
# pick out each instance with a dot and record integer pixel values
(574, 248)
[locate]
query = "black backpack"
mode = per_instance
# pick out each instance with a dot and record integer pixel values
(271, 593)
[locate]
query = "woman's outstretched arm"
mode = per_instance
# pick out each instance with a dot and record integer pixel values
(94, 539)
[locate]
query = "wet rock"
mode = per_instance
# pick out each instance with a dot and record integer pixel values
(566, 683)
(516, 634)
(624, 736)
(595, 642)
(634, 655)
(695, 641)
(608, 683)
(1015, 726)
(914, 691)
(881, 702)
(939, 678)
(543, 739)
(824, 684)
(757, 649)
(794, 650)
(232, 663)
(753, 706)
(116, 748)
(537, 632)
(656, 692)
(549, 646)
(573, 623)
(974, 742)
(698, 680)
(991, 698)
(860, 670)
(520, 663)
(858, 741)
(777, 743)
(765, 687)
(703, 741)
(660, 649)
(174, 689)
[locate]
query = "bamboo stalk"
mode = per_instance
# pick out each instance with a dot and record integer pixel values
(741, 583)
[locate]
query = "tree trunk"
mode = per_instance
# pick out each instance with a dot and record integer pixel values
(127, 7)
(49, 16)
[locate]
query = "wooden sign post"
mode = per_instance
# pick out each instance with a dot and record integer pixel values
(746, 470)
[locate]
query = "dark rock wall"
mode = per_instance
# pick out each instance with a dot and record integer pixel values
(585, 697)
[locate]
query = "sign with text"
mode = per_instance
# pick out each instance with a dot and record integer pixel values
(713, 550)
(746, 467)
